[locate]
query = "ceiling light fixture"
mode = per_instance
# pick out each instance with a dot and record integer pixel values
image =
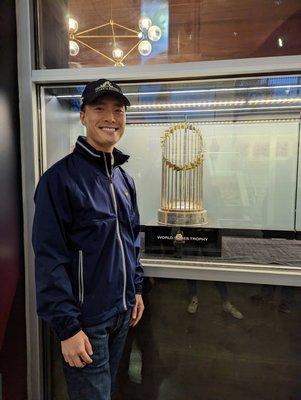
(148, 33)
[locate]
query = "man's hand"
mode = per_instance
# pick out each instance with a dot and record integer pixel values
(137, 310)
(77, 349)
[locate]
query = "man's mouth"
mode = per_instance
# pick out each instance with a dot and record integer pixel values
(108, 129)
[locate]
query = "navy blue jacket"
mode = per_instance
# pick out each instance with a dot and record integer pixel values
(86, 240)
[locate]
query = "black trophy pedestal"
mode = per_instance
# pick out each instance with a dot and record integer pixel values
(179, 241)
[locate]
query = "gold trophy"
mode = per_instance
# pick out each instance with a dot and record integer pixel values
(182, 177)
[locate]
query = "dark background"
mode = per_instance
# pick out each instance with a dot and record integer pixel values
(12, 296)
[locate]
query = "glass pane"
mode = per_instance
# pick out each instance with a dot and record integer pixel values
(229, 335)
(125, 33)
(248, 180)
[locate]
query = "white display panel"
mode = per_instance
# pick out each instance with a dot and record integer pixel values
(249, 173)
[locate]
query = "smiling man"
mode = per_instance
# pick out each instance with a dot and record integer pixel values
(86, 243)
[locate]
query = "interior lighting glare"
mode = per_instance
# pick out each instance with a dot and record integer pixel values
(195, 104)
(215, 103)
(73, 48)
(215, 90)
(280, 42)
(145, 48)
(145, 23)
(210, 122)
(196, 91)
(68, 96)
(200, 104)
(73, 25)
(208, 110)
(276, 101)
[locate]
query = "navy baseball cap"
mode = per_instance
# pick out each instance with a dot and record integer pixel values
(99, 88)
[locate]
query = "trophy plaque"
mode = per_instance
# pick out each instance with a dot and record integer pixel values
(182, 177)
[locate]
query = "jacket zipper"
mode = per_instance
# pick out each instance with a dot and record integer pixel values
(118, 231)
(80, 278)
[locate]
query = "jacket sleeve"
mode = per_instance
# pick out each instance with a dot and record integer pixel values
(55, 301)
(136, 230)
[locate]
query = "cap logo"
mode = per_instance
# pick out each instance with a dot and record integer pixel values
(106, 86)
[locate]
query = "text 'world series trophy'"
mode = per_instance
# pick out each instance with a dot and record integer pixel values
(182, 177)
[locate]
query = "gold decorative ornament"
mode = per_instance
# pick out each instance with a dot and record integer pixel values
(147, 33)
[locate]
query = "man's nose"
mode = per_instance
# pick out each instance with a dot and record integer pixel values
(109, 116)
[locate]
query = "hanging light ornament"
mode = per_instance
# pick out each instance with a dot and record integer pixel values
(148, 33)
(144, 24)
(73, 25)
(117, 54)
(73, 48)
(154, 33)
(145, 48)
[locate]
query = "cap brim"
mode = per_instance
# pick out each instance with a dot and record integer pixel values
(103, 93)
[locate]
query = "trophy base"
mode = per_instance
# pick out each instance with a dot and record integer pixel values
(182, 218)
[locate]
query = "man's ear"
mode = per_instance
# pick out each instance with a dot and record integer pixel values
(82, 118)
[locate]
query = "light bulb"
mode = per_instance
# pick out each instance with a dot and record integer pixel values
(280, 42)
(145, 23)
(145, 48)
(140, 35)
(154, 33)
(73, 25)
(117, 53)
(73, 48)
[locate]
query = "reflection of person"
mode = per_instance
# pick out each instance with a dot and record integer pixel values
(222, 288)
(267, 296)
(179, 242)
(145, 343)
(86, 242)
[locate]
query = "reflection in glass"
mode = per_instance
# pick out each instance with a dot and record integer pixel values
(174, 354)
(180, 31)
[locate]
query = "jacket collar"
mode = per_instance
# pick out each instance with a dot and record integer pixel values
(105, 160)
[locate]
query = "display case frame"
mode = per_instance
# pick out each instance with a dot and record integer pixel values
(31, 143)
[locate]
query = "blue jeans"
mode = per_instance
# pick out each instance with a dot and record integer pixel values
(97, 381)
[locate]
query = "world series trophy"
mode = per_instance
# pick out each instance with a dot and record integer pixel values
(182, 177)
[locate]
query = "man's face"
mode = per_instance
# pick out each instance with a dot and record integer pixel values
(105, 122)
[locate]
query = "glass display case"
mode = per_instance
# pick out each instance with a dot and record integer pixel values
(247, 186)
(215, 164)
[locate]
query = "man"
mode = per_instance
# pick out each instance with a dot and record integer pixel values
(86, 243)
